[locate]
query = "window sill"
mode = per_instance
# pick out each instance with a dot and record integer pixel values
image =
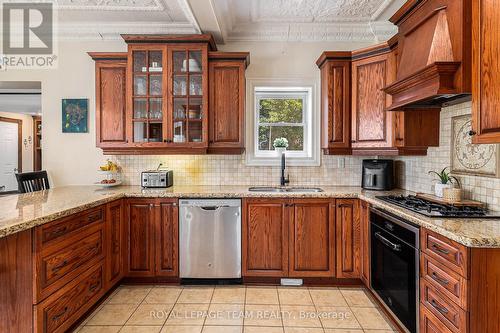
(252, 160)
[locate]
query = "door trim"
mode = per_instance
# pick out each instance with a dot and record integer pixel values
(19, 123)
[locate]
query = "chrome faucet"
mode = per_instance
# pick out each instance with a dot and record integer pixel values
(284, 180)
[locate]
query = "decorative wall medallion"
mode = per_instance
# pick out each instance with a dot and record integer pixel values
(468, 158)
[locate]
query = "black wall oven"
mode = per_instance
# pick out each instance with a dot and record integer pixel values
(395, 266)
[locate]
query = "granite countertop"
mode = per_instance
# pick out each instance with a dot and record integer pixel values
(25, 211)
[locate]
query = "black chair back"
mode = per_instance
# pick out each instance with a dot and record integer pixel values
(32, 181)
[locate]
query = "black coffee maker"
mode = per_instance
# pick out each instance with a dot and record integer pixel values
(378, 175)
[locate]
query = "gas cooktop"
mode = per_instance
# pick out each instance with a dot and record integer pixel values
(432, 209)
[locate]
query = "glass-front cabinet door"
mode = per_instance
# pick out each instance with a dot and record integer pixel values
(188, 98)
(147, 65)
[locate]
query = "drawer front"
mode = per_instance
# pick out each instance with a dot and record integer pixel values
(62, 264)
(430, 323)
(445, 280)
(62, 309)
(449, 313)
(55, 230)
(448, 252)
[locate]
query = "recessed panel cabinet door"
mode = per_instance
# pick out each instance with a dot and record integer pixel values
(226, 105)
(265, 238)
(370, 121)
(312, 238)
(485, 69)
(114, 242)
(167, 236)
(140, 259)
(348, 234)
(110, 103)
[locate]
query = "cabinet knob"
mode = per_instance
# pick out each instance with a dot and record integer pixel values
(331, 141)
(472, 133)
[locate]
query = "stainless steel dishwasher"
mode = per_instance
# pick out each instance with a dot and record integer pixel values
(210, 239)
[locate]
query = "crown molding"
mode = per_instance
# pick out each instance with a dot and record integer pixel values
(122, 5)
(113, 31)
(313, 32)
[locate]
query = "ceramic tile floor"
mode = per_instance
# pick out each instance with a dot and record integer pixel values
(236, 309)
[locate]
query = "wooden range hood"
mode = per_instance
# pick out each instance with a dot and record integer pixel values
(434, 54)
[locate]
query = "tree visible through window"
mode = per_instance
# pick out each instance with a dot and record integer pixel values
(281, 115)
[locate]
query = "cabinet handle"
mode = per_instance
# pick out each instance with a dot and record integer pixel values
(60, 314)
(439, 279)
(58, 232)
(472, 133)
(93, 287)
(441, 309)
(126, 140)
(57, 268)
(174, 204)
(440, 250)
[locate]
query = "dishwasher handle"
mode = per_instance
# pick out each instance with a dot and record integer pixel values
(212, 207)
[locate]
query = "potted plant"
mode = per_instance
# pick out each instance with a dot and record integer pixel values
(280, 145)
(445, 180)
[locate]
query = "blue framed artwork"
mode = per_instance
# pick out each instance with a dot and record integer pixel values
(75, 115)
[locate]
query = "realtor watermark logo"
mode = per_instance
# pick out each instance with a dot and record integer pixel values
(28, 34)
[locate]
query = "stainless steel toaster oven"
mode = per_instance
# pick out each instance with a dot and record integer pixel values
(157, 178)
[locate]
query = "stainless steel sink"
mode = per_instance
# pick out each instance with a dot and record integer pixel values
(286, 189)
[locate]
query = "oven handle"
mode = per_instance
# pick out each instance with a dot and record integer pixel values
(385, 241)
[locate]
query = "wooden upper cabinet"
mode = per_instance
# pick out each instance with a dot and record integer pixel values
(348, 238)
(110, 89)
(376, 130)
(370, 122)
(486, 66)
(155, 98)
(335, 102)
(227, 102)
(312, 238)
(265, 237)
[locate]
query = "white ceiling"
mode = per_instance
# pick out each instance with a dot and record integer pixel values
(29, 104)
(231, 20)
(306, 20)
(107, 19)
(21, 97)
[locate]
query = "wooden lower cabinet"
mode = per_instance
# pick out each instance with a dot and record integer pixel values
(265, 237)
(140, 238)
(59, 311)
(364, 213)
(115, 231)
(289, 238)
(459, 286)
(348, 238)
(312, 238)
(152, 237)
(166, 238)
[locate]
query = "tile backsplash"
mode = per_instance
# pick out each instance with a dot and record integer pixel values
(413, 171)
(232, 170)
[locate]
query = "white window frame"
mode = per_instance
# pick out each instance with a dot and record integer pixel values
(283, 88)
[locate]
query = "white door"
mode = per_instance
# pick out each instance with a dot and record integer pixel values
(8, 156)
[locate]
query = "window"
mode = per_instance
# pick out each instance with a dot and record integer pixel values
(283, 111)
